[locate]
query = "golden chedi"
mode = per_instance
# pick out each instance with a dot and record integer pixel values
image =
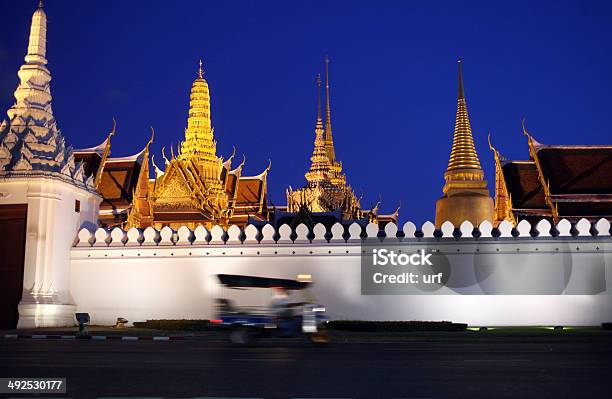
(466, 196)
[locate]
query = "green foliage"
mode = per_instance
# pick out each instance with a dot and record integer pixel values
(339, 325)
(394, 326)
(183, 325)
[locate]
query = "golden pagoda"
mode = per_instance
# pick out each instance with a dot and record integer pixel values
(200, 188)
(196, 187)
(326, 190)
(466, 196)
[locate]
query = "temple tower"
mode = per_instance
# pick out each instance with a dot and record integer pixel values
(199, 135)
(320, 167)
(39, 175)
(326, 189)
(198, 187)
(336, 174)
(466, 196)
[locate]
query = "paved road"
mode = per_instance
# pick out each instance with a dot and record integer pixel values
(500, 368)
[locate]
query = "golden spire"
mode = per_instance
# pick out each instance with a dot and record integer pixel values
(319, 118)
(199, 138)
(329, 140)
(466, 196)
(320, 166)
(463, 153)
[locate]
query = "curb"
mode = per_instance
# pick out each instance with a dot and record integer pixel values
(93, 337)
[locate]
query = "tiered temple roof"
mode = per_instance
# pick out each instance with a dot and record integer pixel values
(195, 187)
(558, 181)
(122, 181)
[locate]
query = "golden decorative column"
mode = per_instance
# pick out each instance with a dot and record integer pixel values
(466, 196)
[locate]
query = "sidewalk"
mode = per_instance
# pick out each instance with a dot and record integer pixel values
(102, 332)
(533, 334)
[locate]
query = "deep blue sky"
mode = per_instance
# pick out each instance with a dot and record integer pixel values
(393, 71)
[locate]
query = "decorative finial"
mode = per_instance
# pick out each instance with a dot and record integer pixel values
(319, 98)
(326, 71)
(114, 129)
(525, 132)
(461, 94)
(329, 141)
(327, 102)
(151, 139)
(40, 4)
(200, 71)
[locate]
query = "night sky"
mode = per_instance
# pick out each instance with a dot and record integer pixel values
(393, 75)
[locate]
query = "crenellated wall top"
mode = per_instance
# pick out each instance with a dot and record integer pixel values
(338, 234)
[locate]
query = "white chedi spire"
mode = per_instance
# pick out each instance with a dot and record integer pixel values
(30, 141)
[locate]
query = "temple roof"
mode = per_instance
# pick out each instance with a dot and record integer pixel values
(138, 157)
(524, 185)
(118, 182)
(250, 191)
(577, 169)
(99, 149)
(579, 179)
(91, 161)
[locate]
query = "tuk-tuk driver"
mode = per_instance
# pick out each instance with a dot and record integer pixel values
(280, 303)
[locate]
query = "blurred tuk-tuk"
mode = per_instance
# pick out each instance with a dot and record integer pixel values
(280, 318)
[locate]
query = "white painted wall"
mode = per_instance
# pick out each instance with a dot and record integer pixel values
(178, 281)
(50, 226)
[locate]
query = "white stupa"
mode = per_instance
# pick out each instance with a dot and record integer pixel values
(38, 172)
(30, 141)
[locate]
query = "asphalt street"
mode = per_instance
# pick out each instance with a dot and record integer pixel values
(422, 368)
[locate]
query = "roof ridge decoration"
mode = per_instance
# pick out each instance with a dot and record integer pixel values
(503, 198)
(105, 155)
(30, 141)
(534, 147)
(263, 174)
(238, 169)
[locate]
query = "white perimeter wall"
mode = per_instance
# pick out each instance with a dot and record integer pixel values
(157, 281)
